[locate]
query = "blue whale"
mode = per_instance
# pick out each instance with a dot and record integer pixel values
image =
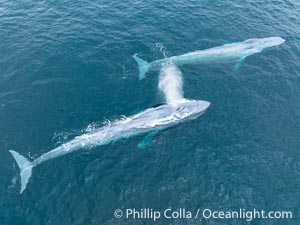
(234, 52)
(149, 120)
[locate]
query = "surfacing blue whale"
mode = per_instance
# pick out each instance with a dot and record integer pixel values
(150, 120)
(235, 52)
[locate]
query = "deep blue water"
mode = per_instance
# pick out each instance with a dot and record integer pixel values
(66, 66)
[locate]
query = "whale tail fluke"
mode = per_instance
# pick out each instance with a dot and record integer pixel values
(25, 166)
(143, 66)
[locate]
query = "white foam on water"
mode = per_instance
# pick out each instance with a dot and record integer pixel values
(170, 83)
(162, 49)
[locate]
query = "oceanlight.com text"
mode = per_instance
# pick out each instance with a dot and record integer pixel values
(206, 214)
(249, 215)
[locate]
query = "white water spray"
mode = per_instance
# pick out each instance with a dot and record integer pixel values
(170, 83)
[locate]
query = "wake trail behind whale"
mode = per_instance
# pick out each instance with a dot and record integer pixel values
(170, 83)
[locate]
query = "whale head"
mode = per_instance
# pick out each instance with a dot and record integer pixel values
(261, 43)
(165, 115)
(271, 41)
(190, 109)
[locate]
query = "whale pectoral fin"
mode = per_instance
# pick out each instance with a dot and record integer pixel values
(147, 139)
(239, 63)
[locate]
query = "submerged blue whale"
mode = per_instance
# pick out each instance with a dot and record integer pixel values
(150, 120)
(235, 52)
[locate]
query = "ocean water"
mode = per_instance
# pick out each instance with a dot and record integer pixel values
(66, 67)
